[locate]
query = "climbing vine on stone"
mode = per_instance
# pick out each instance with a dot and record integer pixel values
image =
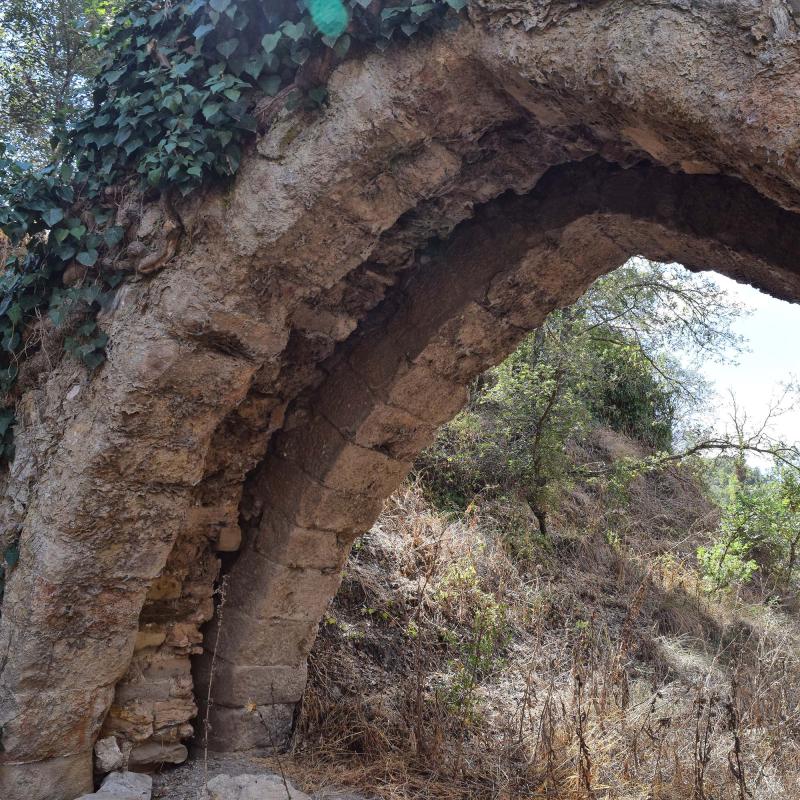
(182, 88)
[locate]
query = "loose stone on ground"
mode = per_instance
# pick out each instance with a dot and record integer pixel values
(123, 786)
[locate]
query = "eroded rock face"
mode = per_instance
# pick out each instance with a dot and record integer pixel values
(273, 383)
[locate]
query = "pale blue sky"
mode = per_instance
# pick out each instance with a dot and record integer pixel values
(771, 332)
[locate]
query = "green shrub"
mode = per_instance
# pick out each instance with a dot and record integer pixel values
(759, 532)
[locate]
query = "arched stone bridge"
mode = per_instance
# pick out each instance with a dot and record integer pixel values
(271, 386)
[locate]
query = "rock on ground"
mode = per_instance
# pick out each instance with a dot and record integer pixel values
(107, 754)
(123, 786)
(253, 787)
(230, 777)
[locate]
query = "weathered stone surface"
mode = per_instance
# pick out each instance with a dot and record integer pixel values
(262, 685)
(327, 315)
(253, 787)
(258, 642)
(108, 756)
(262, 728)
(154, 754)
(123, 786)
(41, 778)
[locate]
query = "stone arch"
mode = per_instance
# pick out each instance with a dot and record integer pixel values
(320, 319)
(349, 442)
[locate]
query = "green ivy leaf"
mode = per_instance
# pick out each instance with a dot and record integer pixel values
(228, 47)
(270, 84)
(342, 46)
(6, 420)
(14, 313)
(113, 75)
(300, 55)
(210, 109)
(87, 257)
(330, 16)
(318, 95)
(270, 41)
(122, 136)
(11, 555)
(94, 359)
(293, 100)
(254, 66)
(295, 31)
(202, 30)
(52, 217)
(113, 236)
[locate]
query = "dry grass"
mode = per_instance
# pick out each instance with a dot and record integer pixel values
(463, 658)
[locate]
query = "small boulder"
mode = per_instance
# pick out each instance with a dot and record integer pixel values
(123, 786)
(252, 787)
(107, 755)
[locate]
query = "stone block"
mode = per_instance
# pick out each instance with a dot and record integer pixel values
(236, 685)
(364, 419)
(61, 778)
(427, 395)
(285, 543)
(345, 400)
(309, 504)
(323, 453)
(130, 722)
(229, 539)
(149, 636)
(123, 786)
(395, 431)
(107, 755)
(173, 712)
(263, 588)
(165, 587)
(264, 728)
(272, 642)
(153, 754)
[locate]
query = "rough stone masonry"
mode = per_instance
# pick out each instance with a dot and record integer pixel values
(269, 387)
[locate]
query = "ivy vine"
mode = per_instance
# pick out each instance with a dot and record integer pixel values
(173, 105)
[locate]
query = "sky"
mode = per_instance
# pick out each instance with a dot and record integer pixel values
(771, 358)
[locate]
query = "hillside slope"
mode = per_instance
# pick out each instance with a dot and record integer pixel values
(465, 656)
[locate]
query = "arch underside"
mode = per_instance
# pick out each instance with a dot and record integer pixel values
(349, 442)
(271, 387)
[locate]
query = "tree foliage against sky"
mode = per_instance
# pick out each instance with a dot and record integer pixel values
(621, 356)
(46, 67)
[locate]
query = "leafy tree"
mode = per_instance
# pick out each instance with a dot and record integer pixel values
(45, 68)
(609, 359)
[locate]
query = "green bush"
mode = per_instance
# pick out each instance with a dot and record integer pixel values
(759, 532)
